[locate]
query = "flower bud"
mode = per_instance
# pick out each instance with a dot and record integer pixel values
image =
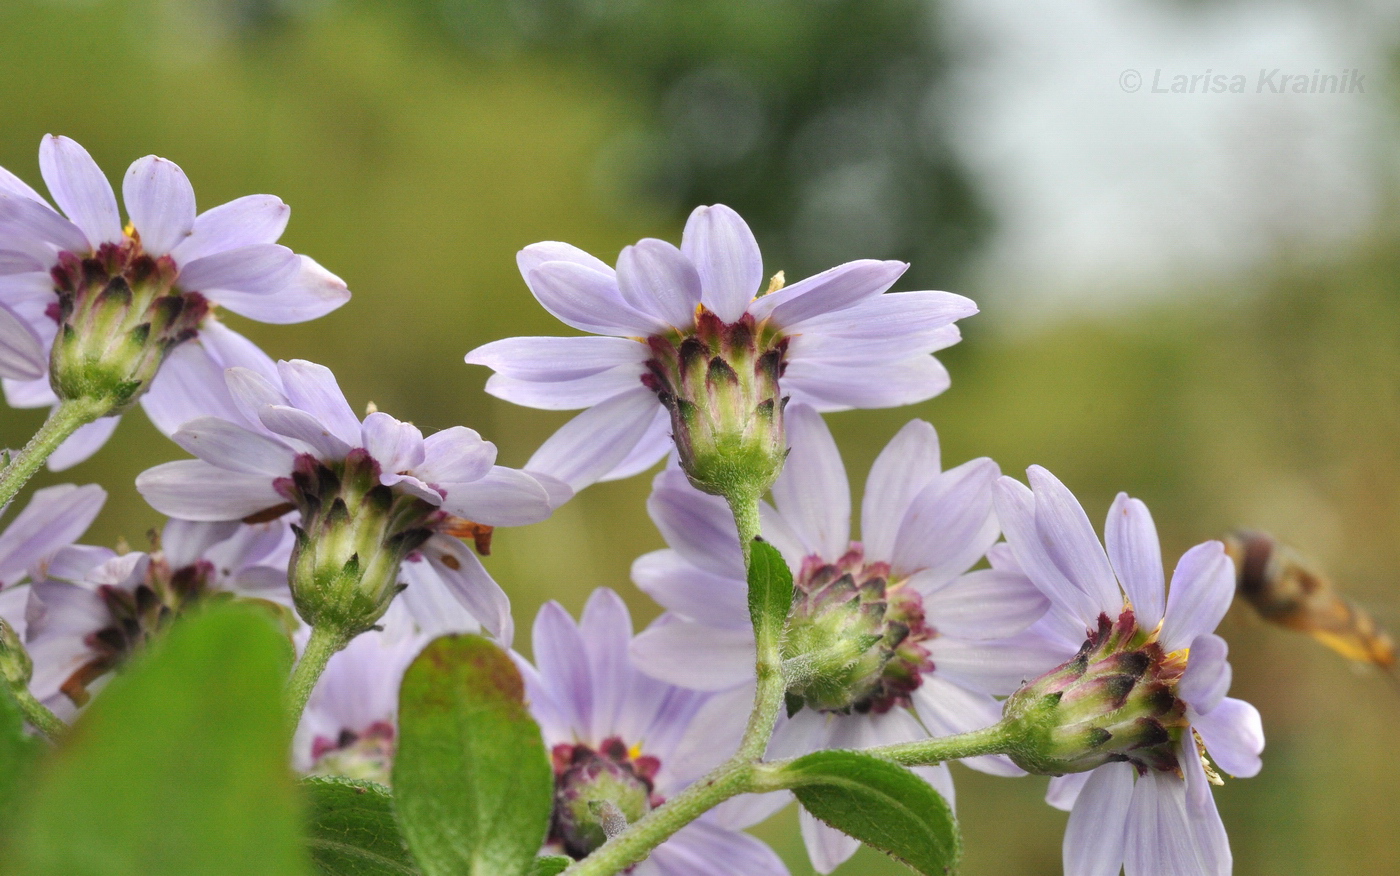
(355, 533)
(16, 668)
(1114, 701)
(720, 386)
(596, 792)
(119, 315)
(853, 641)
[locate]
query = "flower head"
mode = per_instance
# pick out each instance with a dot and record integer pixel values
(1140, 702)
(613, 734)
(693, 345)
(373, 499)
(91, 308)
(889, 638)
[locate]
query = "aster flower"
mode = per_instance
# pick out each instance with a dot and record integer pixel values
(930, 641)
(613, 732)
(89, 307)
(378, 505)
(91, 608)
(692, 346)
(1140, 700)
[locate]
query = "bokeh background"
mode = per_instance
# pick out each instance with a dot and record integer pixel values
(1194, 297)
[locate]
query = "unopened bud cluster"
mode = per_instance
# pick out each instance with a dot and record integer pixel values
(119, 315)
(1115, 701)
(354, 535)
(593, 786)
(854, 642)
(720, 386)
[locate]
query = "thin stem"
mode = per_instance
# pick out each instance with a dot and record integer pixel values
(63, 421)
(768, 659)
(38, 714)
(999, 738)
(320, 648)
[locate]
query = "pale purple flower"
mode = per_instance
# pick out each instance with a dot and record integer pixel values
(91, 608)
(1150, 822)
(224, 257)
(922, 529)
(286, 432)
(840, 343)
(598, 712)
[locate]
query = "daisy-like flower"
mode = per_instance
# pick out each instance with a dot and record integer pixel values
(91, 608)
(1140, 700)
(378, 505)
(54, 518)
(693, 348)
(612, 732)
(899, 638)
(90, 308)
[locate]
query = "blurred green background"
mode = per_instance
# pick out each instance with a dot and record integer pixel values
(421, 143)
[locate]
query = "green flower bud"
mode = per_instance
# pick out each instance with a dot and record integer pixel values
(720, 386)
(1115, 701)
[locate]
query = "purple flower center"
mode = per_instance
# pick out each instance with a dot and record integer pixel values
(366, 754)
(857, 637)
(595, 789)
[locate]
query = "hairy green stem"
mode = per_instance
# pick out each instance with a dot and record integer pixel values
(38, 714)
(1000, 738)
(768, 648)
(63, 421)
(320, 648)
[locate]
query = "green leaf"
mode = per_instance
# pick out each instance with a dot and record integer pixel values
(351, 831)
(18, 751)
(473, 787)
(881, 804)
(770, 595)
(550, 865)
(179, 766)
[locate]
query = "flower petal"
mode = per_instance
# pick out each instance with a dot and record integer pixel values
(697, 525)
(985, 604)
(829, 385)
(562, 659)
(654, 444)
(946, 708)
(83, 443)
(190, 384)
(1070, 541)
(502, 497)
(998, 666)
(812, 492)
(1208, 674)
(36, 229)
(253, 391)
(1065, 790)
(725, 254)
(833, 289)
(655, 278)
(228, 446)
(536, 254)
(950, 524)
(567, 395)
(13, 185)
(260, 269)
(160, 201)
(667, 650)
(827, 847)
(80, 189)
(900, 472)
(1234, 737)
(1203, 586)
(1131, 539)
(557, 359)
(1015, 505)
(589, 300)
(310, 292)
(397, 446)
(431, 602)
(313, 388)
(472, 585)
(1162, 838)
(54, 518)
(455, 455)
(1097, 830)
(702, 848)
(22, 353)
(697, 594)
(300, 426)
(606, 629)
(245, 221)
(192, 489)
(594, 442)
(714, 731)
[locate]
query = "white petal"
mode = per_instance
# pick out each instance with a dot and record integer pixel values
(1131, 539)
(1064, 790)
(35, 229)
(431, 602)
(687, 590)
(313, 388)
(183, 542)
(558, 359)
(1203, 586)
(830, 385)
(503, 497)
(985, 604)
(998, 666)
(1070, 541)
(190, 384)
(228, 446)
(245, 221)
(812, 492)
(1234, 737)
(697, 525)
(562, 659)
(253, 391)
(899, 317)
(950, 524)
(567, 395)
(1015, 506)
(606, 629)
(1163, 840)
(654, 444)
(834, 289)
(22, 353)
(714, 732)
(723, 249)
(195, 490)
(705, 849)
(80, 189)
(83, 443)
(589, 300)
(947, 708)
(1097, 829)
(456, 455)
(536, 254)
(310, 292)
(900, 472)
(160, 201)
(1208, 674)
(668, 650)
(300, 426)
(395, 445)
(259, 269)
(54, 518)
(13, 185)
(594, 442)
(827, 847)
(655, 278)
(472, 585)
